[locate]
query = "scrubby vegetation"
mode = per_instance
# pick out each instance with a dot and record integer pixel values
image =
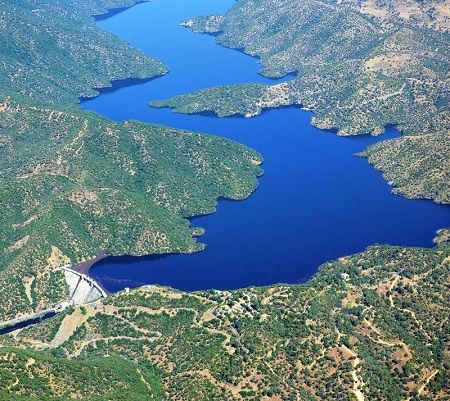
(26, 375)
(359, 66)
(53, 52)
(74, 184)
(369, 326)
(372, 325)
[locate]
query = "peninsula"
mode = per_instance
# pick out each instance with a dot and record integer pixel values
(73, 184)
(358, 65)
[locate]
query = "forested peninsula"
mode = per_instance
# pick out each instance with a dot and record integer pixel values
(359, 66)
(73, 184)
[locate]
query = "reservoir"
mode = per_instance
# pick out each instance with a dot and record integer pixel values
(316, 201)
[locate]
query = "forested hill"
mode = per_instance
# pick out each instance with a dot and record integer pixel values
(358, 65)
(53, 51)
(73, 184)
(372, 326)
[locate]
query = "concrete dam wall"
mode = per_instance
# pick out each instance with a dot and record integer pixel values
(82, 288)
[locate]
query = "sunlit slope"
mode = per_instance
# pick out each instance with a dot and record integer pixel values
(359, 67)
(372, 326)
(74, 184)
(54, 52)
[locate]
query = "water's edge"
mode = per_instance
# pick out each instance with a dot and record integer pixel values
(333, 204)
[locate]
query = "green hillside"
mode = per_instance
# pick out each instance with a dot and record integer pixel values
(74, 184)
(358, 65)
(372, 326)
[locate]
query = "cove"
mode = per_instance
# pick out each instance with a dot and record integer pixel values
(316, 201)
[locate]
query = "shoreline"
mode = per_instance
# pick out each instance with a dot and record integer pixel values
(84, 267)
(111, 12)
(264, 110)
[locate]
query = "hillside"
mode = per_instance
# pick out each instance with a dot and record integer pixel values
(358, 65)
(65, 53)
(74, 184)
(368, 326)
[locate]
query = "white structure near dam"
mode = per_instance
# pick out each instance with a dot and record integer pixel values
(82, 288)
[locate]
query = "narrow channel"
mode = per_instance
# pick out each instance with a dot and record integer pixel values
(316, 201)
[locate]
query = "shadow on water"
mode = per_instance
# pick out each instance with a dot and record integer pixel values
(129, 259)
(113, 12)
(119, 84)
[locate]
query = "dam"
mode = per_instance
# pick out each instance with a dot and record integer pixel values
(82, 288)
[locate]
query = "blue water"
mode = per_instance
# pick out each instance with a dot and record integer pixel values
(316, 200)
(25, 323)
